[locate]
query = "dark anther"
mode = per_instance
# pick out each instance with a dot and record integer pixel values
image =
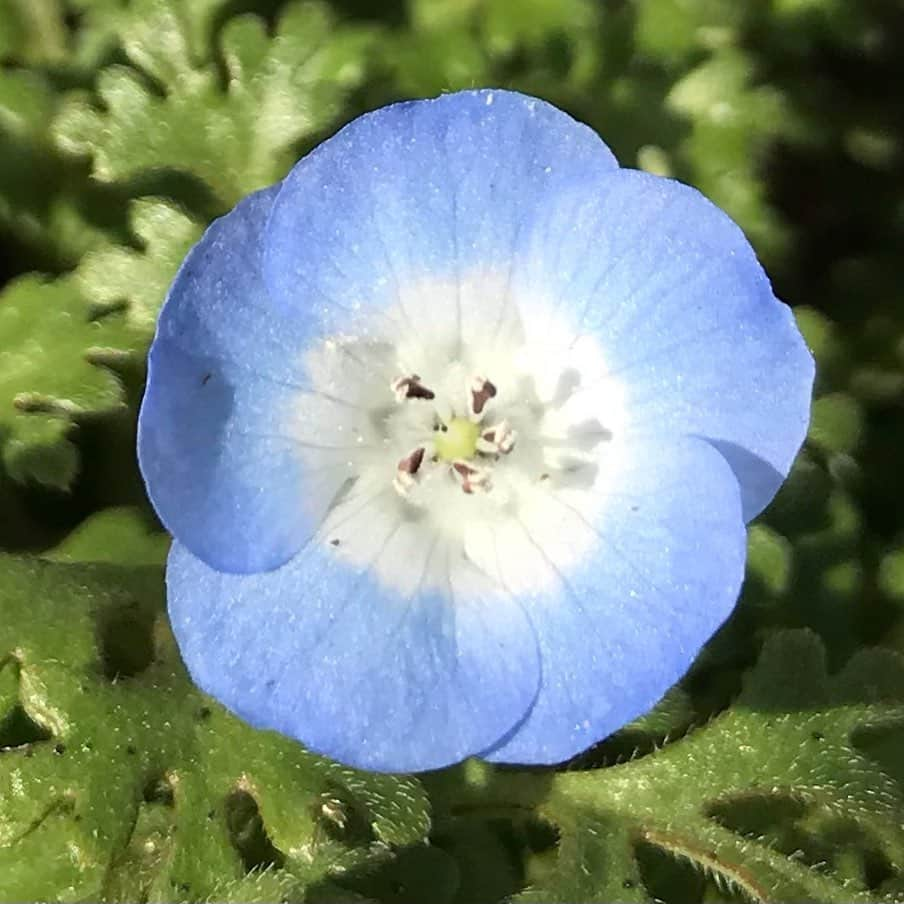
(412, 463)
(465, 472)
(335, 542)
(411, 388)
(416, 391)
(499, 439)
(206, 379)
(481, 393)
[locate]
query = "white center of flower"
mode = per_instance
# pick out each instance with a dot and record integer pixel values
(437, 447)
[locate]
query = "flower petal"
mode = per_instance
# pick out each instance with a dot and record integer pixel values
(663, 565)
(452, 231)
(219, 442)
(415, 211)
(325, 653)
(685, 316)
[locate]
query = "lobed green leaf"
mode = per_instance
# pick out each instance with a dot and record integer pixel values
(120, 781)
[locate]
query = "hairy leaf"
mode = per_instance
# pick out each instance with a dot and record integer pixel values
(120, 781)
(47, 380)
(32, 31)
(236, 137)
(62, 342)
(49, 210)
(123, 536)
(120, 277)
(709, 799)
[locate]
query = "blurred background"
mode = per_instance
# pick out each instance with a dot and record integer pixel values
(125, 127)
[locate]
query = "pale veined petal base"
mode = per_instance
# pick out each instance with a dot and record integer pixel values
(448, 437)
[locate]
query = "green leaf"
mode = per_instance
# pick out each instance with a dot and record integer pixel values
(790, 735)
(459, 44)
(595, 863)
(671, 30)
(167, 38)
(130, 784)
(828, 347)
(135, 281)
(123, 536)
(836, 424)
(486, 867)
(49, 208)
(533, 23)
(279, 91)
(9, 688)
(47, 380)
(732, 119)
(789, 745)
(891, 574)
(41, 33)
(65, 344)
(32, 31)
(769, 559)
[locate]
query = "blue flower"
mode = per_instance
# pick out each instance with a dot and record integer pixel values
(457, 430)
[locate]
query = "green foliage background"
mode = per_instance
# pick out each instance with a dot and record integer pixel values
(772, 773)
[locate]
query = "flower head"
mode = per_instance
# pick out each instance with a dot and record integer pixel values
(457, 430)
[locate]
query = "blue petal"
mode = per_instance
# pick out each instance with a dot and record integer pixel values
(663, 567)
(492, 181)
(323, 653)
(685, 317)
(430, 188)
(222, 470)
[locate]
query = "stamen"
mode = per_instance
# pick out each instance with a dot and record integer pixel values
(482, 390)
(471, 478)
(406, 471)
(498, 440)
(410, 388)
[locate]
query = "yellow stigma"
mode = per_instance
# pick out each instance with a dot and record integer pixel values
(457, 439)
